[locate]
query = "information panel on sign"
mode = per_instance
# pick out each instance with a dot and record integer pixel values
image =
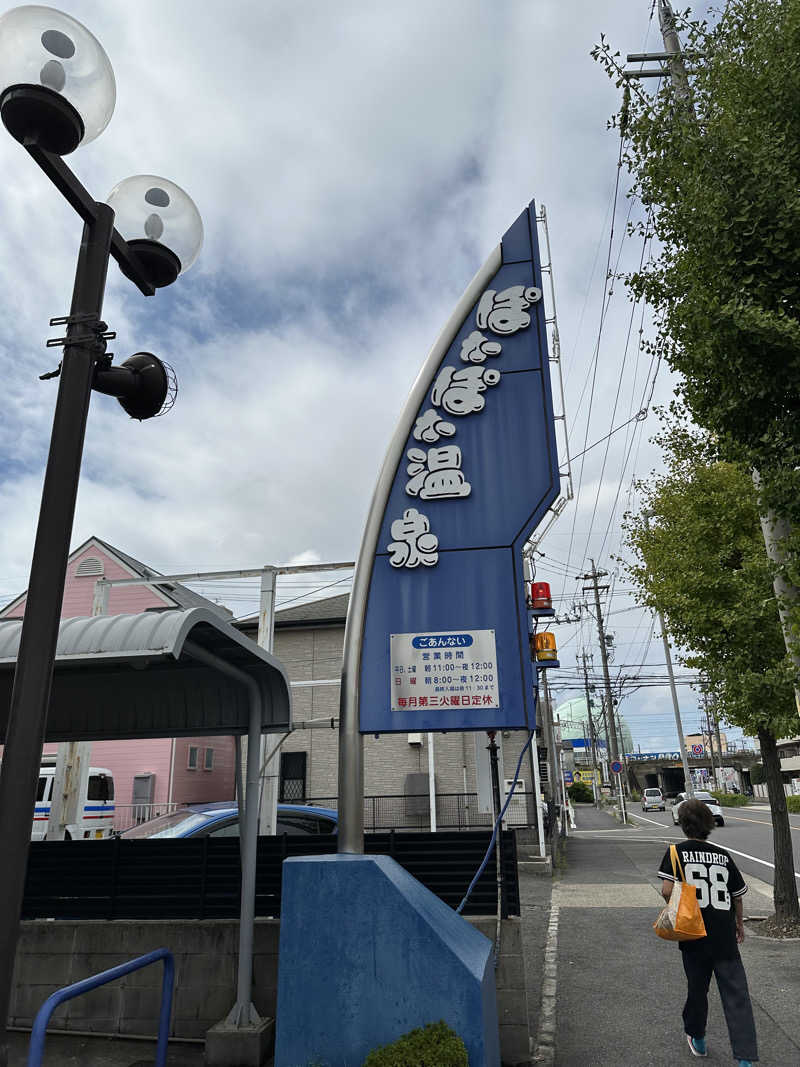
(444, 669)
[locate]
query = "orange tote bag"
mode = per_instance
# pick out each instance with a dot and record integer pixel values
(682, 919)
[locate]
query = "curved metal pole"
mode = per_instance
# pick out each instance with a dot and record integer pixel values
(243, 1013)
(351, 743)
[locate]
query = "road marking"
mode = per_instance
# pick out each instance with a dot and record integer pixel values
(605, 830)
(653, 821)
(745, 855)
(761, 822)
(546, 1045)
(755, 859)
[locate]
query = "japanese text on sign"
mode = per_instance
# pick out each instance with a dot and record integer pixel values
(437, 474)
(444, 670)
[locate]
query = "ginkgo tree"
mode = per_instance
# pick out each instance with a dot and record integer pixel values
(715, 159)
(700, 559)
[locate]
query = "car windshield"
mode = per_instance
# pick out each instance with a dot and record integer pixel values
(177, 824)
(652, 792)
(704, 796)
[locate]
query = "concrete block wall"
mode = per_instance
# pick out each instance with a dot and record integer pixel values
(54, 954)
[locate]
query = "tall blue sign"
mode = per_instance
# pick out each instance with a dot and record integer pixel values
(439, 598)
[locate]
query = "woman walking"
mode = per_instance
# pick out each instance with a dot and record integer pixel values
(720, 888)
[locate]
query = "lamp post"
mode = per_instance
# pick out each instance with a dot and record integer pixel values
(57, 91)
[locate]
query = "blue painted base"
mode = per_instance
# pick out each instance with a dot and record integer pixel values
(367, 954)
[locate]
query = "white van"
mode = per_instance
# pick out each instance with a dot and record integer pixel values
(97, 805)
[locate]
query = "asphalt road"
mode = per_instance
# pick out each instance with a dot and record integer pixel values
(747, 834)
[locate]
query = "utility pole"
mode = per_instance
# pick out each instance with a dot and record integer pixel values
(592, 577)
(552, 759)
(592, 735)
(707, 734)
(715, 718)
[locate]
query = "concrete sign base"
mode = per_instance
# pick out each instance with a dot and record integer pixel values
(367, 954)
(227, 1046)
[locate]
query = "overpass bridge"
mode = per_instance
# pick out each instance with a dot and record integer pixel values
(665, 770)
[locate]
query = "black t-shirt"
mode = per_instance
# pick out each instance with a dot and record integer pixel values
(717, 879)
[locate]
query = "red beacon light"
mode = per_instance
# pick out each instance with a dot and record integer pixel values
(540, 596)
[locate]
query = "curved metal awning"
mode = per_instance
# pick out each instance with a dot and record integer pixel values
(129, 676)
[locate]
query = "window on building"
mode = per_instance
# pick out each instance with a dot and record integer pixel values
(192, 757)
(208, 760)
(293, 776)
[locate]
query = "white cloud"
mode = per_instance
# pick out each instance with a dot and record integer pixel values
(354, 163)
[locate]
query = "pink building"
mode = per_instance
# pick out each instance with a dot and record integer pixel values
(182, 770)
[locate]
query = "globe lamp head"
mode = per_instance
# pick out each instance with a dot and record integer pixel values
(57, 87)
(161, 224)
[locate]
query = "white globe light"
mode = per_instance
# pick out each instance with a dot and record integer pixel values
(56, 81)
(161, 224)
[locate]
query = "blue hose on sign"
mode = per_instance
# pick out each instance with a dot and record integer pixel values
(497, 826)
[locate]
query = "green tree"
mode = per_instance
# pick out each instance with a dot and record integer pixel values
(701, 560)
(717, 164)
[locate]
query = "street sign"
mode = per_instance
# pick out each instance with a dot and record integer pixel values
(438, 605)
(697, 750)
(616, 766)
(568, 778)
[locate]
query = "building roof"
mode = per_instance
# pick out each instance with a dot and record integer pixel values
(183, 597)
(330, 611)
(147, 675)
(174, 593)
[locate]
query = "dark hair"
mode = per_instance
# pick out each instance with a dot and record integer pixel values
(696, 819)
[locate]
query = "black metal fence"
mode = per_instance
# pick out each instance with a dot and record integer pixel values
(454, 811)
(200, 878)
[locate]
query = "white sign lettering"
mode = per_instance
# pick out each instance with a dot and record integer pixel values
(506, 312)
(476, 347)
(459, 391)
(413, 541)
(430, 426)
(436, 475)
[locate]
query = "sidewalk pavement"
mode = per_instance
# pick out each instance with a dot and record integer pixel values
(619, 989)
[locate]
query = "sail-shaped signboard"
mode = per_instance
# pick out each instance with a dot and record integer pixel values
(437, 634)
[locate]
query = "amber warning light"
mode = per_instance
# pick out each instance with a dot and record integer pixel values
(545, 646)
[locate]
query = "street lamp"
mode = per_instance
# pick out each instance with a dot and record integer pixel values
(57, 92)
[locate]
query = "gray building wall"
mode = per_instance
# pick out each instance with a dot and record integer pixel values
(311, 650)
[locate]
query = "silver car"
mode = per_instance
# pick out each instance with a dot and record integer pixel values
(653, 800)
(706, 798)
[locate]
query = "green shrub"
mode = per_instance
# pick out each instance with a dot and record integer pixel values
(636, 796)
(580, 793)
(730, 800)
(434, 1045)
(793, 804)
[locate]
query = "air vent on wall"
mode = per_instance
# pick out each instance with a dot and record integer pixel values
(89, 567)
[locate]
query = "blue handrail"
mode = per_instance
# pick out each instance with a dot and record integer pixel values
(39, 1032)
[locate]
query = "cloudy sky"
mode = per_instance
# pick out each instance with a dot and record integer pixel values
(354, 163)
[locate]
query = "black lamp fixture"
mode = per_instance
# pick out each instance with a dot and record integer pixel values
(57, 92)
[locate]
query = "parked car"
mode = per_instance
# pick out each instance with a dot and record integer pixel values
(653, 800)
(222, 820)
(706, 798)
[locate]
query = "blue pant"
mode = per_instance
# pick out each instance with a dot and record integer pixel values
(732, 985)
